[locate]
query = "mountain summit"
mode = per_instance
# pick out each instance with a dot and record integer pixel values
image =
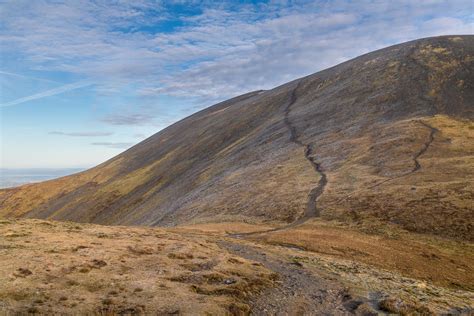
(386, 137)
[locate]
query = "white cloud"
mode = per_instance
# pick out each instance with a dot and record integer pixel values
(221, 52)
(81, 134)
(128, 119)
(447, 26)
(113, 145)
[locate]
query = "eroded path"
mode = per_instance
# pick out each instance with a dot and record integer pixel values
(425, 146)
(299, 292)
(416, 163)
(312, 209)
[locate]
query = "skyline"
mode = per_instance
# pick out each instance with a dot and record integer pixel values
(82, 81)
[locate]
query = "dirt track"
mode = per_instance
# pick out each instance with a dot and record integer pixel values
(299, 292)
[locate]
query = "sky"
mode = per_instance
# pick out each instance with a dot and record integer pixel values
(83, 80)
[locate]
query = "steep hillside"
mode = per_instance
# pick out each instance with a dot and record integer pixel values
(385, 137)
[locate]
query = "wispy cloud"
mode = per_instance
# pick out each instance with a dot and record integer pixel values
(223, 50)
(25, 77)
(82, 134)
(113, 145)
(48, 93)
(128, 119)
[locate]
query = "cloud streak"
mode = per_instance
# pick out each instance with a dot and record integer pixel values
(113, 145)
(81, 134)
(48, 93)
(25, 77)
(128, 119)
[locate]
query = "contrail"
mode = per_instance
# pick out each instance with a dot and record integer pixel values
(48, 93)
(26, 77)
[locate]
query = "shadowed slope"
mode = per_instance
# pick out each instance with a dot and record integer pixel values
(392, 130)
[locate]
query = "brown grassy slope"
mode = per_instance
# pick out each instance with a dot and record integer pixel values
(362, 121)
(68, 268)
(437, 261)
(437, 198)
(429, 258)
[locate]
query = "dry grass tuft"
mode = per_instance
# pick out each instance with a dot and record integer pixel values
(130, 271)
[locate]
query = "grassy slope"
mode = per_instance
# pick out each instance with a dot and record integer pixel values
(435, 199)
(440, 261)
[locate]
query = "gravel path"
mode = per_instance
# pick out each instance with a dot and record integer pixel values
(299, 292)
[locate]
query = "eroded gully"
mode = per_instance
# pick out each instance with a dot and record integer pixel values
(312, 209)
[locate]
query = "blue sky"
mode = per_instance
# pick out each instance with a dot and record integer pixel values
(83, 80)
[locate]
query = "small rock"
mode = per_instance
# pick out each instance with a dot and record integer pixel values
(22, 272)
(98, 263)
(107, 301)
(84, 269)
(32, 310)
(229, 281)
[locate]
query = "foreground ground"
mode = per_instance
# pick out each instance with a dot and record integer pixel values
(49, 267)
(54, 267)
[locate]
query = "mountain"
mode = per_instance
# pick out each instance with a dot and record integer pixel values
(383, 138)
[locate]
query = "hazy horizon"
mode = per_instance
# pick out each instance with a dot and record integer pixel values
(13, 177)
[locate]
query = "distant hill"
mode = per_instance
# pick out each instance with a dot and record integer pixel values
(386, 137)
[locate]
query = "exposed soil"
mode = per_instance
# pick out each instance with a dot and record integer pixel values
(399, 272)
(426, 145)
(298, 292)
(315, 284)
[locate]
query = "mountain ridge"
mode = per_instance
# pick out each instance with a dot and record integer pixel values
(361, 125)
